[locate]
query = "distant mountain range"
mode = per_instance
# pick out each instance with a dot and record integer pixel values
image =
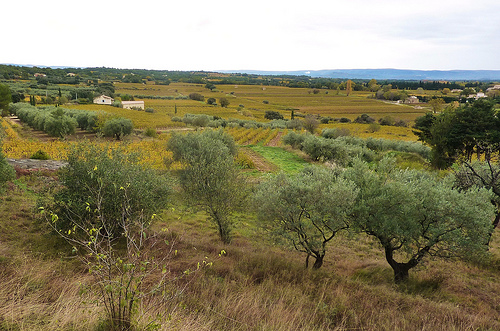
(381, 74)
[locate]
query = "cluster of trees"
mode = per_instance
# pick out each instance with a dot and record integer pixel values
(472, 129)
(335, 145)
(411, 214)
(59, 122)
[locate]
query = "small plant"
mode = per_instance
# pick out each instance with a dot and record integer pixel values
(374, 127)
(40, 155)
(150, 132)
(149, 110)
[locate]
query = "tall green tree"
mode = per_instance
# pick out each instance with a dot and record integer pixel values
(414, 215)
(210, 178)
(306, 210)
(461, 133)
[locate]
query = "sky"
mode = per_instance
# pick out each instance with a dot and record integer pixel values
(253, 35)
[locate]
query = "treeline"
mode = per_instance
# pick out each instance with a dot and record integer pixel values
(162, 77)
(60, 122)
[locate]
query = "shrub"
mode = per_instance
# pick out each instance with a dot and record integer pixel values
(98, 177)
(151, 132)
(196, 96)
(294, 124)
(387, 120)
(117, 127)
(40, 155)
(59, 125)
(211, 101)
(334, 133)
(200, 120)
(224, 102)
(310, 123)
(266, 102)
(294, 139)
(7, 173)
(401, 123)
(344, 120)
(374, 127)
(364, 119)
(149, 110)
(273, 115)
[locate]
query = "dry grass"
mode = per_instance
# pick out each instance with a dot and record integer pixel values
(254, 286)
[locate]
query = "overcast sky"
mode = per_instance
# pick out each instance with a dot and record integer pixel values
(253, 35)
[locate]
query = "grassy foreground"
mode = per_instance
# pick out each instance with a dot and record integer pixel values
(254, 286)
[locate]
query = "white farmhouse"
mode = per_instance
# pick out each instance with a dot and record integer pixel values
(133, 104)
(104, 100)
(411, 99)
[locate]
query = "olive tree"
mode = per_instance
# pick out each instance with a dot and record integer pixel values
(306, 210)
(210, 178)
(414, 214)
(117, 127)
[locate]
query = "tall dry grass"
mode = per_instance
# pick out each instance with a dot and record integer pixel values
(253, 286)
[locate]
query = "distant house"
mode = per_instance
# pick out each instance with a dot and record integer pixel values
(477, 95)
(40, 75)
(104, 100)
(456, 90)
(411, 100)
(133, 104)
(70, 74)
(496, 87)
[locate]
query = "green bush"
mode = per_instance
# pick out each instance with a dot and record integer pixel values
(59, 125)
(40, 155)
(151, 132)
(117, 127)
(196, 96)
(7, 173)
(273, 115)
(100, 178)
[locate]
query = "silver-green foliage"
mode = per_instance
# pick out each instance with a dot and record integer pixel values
(414, 214)
(210, 178)
(306, 210)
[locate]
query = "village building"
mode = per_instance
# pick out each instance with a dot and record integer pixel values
(411, 99)
(496, 87)
(104, 100)
(133, 104)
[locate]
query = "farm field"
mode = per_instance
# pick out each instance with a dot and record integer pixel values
(282, 99)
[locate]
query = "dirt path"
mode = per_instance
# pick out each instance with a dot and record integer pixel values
(276, 140)
(259, 162)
